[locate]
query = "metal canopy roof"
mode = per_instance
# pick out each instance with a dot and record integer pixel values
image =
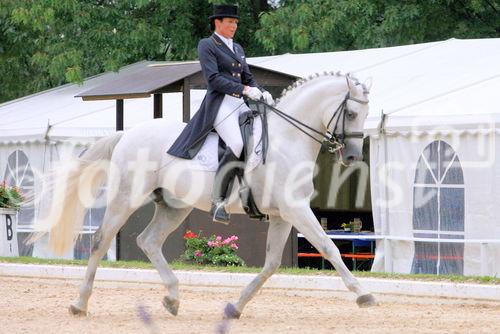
(145, 80)
(165, 77)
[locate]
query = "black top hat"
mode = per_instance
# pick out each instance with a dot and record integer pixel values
(221, 11)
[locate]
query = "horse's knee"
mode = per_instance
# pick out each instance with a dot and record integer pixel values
(328, 249)
(96, 239)
(271, 267)
(142, 243)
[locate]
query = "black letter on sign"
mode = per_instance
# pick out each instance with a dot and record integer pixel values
(8, 222)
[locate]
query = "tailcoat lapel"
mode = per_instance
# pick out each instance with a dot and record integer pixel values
(224, 47)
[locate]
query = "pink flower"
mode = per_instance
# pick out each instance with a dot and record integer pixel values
(198, 253)
(234, 246)
(218, 238)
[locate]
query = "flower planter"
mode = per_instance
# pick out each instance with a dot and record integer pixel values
(8, 232)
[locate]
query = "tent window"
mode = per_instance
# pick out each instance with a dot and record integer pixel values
(19, 173)
(438, 210)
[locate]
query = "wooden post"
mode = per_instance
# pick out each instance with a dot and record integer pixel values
(186, 101)
(158, 106)
(119, 115)
(119, 127)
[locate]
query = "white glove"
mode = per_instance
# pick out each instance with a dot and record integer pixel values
(253, 93)
(268, 98)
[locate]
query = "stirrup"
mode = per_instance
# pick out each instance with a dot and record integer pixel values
(219, 214)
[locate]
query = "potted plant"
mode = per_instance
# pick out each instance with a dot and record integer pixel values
(346, 227)
(352, 226)
(11, 199)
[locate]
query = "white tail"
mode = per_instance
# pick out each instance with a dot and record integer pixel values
(67, 212)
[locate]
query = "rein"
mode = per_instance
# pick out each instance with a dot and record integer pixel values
(330, 140)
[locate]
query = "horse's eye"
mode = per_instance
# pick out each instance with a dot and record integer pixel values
(351, 115)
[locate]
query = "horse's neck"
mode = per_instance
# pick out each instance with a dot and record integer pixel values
(303, 105)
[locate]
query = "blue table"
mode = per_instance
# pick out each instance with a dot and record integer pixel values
(358, 239)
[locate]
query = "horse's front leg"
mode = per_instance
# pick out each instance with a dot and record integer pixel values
(305, 222)
(277, 235)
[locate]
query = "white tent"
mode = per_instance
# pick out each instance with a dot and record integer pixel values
(432, 160)
(38, 130)
(434, 172)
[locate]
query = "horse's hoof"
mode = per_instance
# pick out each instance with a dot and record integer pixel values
(366, 301)
(230, 312)
(172, 305)
(73, 310)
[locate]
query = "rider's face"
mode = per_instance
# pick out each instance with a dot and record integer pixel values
(226, 27)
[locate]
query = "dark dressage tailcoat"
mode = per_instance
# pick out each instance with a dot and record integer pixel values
(225, 72)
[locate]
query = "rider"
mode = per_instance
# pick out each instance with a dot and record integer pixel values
(228, 78)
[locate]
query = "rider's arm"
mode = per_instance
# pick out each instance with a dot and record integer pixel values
(209, 66)
(246, 76)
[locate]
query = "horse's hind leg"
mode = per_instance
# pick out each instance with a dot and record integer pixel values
(165, 221)
(277, 235)
(114, 218)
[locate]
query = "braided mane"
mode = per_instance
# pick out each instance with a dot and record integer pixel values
(302, 81)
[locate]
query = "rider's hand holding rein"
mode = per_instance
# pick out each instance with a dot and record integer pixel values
(255, 94)
(252, 92)
(268, 98)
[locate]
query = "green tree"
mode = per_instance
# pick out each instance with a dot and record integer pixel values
(321, 25)
(45, 43)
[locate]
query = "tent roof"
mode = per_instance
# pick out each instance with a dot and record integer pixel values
(446, 79)
(444, 83)
(56, 113)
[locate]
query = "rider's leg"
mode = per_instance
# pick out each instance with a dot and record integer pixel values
(227, 126)
(227, 123)
(229, 166)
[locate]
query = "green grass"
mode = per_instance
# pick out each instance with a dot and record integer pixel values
(289, 271)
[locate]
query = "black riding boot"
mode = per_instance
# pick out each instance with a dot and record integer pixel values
(228, 168)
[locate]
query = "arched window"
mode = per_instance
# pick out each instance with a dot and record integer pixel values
(19, 173)
(438, 210)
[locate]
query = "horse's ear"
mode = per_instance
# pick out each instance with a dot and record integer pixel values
(368, 83)
(348, 79)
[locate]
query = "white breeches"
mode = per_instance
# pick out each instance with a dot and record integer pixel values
(227, 122)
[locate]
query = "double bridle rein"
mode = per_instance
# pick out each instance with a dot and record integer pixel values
(331, 141)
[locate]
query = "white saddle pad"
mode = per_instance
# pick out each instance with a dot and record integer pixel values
(207, 157)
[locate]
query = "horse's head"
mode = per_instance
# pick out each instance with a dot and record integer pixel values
(344, 123)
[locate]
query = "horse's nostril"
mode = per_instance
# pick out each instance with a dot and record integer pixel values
(351, 158)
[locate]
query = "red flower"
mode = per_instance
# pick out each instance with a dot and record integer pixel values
(190, 235)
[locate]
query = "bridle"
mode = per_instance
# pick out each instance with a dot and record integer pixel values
(330, 140)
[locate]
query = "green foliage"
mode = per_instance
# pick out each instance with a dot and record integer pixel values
(322, 25)
(46, 43)
(10, 196)
(213, 250)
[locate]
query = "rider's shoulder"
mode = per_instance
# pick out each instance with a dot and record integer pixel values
(205, 42)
